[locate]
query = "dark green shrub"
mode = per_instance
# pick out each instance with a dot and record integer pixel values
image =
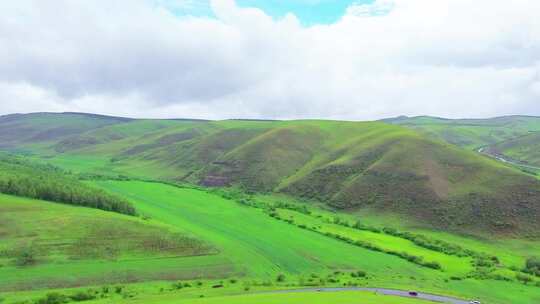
(26, 256)
(82, 296)
(281, 278)
(532, 266)
(53, 298)
(361, 274)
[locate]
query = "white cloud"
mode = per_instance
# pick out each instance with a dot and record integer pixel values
(377, 8)
(454, 58)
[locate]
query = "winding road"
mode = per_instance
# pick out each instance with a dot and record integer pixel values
(383, 291)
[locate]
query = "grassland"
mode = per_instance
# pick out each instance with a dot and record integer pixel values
(234, 228)
(18, 176)
(37, 128)
(348, 165)
(310, 203)
(46, 245)
(246, 245)
(471, 133)
(315, 298)
(524, 149)
(160, 293)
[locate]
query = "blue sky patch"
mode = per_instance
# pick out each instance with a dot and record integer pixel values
(309, 12)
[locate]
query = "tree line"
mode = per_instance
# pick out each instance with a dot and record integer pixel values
(21, 177)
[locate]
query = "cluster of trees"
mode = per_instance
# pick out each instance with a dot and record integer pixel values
(23, 178)
(532, 266)
(59, 298)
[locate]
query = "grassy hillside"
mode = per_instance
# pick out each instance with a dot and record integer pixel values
(253, 249)
(50, 245)
(524, 149)
(21, 177)
(253, 240)
(33, 129)
(471, 133)
(347, 165)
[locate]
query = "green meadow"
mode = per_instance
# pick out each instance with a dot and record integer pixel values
(294, 298)
(228, 241)
(297, 204)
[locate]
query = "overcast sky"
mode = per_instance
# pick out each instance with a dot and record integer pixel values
(222, 59)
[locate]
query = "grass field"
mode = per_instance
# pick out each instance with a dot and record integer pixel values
(524, 149)
(348, 165)
(238, 230)
(159, 293)
(472, 133)
(303, 298)
(289, 219)
(246, 245)
(48, 245)
(248, 236)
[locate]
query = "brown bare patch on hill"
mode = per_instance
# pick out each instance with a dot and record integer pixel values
(437, 179)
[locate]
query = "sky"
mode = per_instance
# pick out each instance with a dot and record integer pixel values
(274, 59)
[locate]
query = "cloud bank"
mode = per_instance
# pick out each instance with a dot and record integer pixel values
(452, 58)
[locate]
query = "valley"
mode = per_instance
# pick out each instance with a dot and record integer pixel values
(230, 211)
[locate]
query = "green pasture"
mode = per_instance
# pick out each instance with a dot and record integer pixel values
(74, 246)
(453, 265)
(292, 298)
(258, 244)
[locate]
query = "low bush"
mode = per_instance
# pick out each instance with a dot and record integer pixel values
(532, 266)
(82, 296)
(177, 285)
(53, 298)
(26, 256)
(358, 274)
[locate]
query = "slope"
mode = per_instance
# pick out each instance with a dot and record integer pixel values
(471, 133)
(36, 128)
(52, 245)
(261, 247)
(354, 165)
(347, 165)
(21, 177)
(524, 149)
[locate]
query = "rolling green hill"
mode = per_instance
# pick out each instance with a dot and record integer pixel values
(346, 165)
(471, 133)
(50, 245)
(21, 177)
(524, 149)
(34, 129)
(262, 205)
(200, 240)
